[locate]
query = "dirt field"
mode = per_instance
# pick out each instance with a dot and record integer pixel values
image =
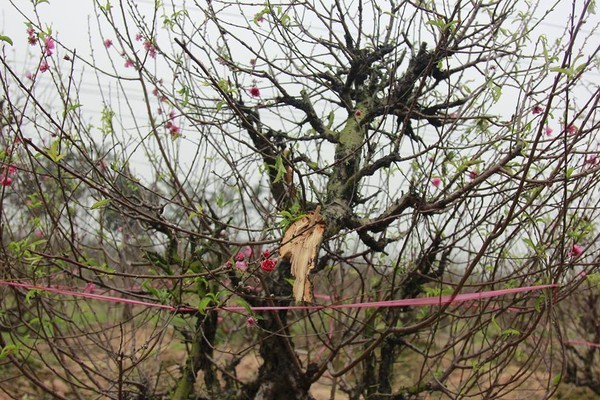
(169, 355)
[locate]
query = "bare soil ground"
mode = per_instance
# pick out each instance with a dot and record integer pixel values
(167, 358)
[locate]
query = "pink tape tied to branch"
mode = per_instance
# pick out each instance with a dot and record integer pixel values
(416, 302)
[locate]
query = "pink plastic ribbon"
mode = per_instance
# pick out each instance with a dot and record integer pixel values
(424, 301)
(416, 302)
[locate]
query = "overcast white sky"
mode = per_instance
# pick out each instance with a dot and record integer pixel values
(74, 25)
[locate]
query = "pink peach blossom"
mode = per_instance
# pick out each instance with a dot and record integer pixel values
(576, 251)
(150, 48)
(32, 38)
(268, 265)
(49, 45)
(537, 110)
(241, 265)
(5, 180)
(591, 160)
(254, 91)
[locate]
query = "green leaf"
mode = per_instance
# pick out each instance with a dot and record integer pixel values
(8, 350)
(107, 7)
(436, 292)
(285, 20)
(204, 304)
(220, 104)
(101, 203)
(520, 355)
(594, 280)
(580, 68)
(260, 16)
(592, 7)
(280, 167)
(495, 323)
(70, 108)
(107, 117)
(556, 379)
(530, 243)
(162, 295)
(537, 305)
(496, 90)
(32, 293)
(290, 281)
(54, 152)
(566, 71)
(226, 87)
(199, 213)
(220, 200)
(185, 92)
(244, 304)
(6, 39)
(330, 119)
(441, 24)
(289, 216)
